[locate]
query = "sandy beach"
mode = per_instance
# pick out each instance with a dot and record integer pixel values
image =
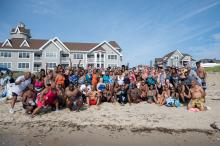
(112, 124)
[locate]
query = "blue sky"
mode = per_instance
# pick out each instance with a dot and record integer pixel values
(144, 29)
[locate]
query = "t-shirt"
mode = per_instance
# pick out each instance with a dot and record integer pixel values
(18, 89)
(83, 87)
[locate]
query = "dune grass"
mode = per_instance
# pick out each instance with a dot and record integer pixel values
(212, 69)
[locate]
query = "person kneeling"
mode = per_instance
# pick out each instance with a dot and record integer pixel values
(48, 97)
(28, 99)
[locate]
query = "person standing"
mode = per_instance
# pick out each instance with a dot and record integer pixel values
(21, 84)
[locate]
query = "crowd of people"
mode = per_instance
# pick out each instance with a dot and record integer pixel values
(75, 88)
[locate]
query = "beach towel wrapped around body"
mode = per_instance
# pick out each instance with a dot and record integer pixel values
(170, 102)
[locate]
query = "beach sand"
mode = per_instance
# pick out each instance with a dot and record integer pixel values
(112, 124)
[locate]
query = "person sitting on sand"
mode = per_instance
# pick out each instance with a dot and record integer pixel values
(73, 97)
(143, 90)
(121, 95)
(151, 95)
(165, 94)
(21, 84)
(85, 90)
(196, 94)
(107, 95)
(173, 100)
(94, 97)
(28, 99)
(48, 97)
(134, 94)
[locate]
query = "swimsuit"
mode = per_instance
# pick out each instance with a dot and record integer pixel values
(38, 85)
(49, 98)
(60, 80)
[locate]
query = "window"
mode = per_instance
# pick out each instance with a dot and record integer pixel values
(76, 65)
(112, 65)
(51, 65)
(5, 64)
(5, 54)
(77, 56)
(23, 65)
(176, 57)
(51, 54)
(112, 57)
(24, 55)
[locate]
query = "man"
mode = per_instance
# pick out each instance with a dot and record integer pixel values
(28, 99)
(21, 84)
(85, 89)
(73, 97)
(196, 93)
(134, 94)
(201, 74)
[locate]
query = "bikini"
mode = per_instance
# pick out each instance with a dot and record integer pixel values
(38, 85)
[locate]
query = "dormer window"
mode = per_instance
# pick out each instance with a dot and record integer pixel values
(24, 44)
(6, 43)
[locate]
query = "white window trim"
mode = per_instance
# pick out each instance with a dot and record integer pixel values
(109, 58)
(115, 64)
(8, 62)
(51, 62)
(6, 41)
(76, 56)
(23, 68)
(50, 57)
(24, 52)
(4, 56)
(25, 41)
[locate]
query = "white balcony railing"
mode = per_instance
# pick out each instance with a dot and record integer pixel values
(37, 68)
(64, 58)
(37, 58)
(90, 59)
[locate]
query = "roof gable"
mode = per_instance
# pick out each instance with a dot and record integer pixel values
(7, 43)
(104, 42)
(24, 44)
(47, 43)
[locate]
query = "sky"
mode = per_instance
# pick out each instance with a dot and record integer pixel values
(144, 29)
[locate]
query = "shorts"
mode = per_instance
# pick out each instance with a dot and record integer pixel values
(92, 102)
(14, 94)
(196, 103)
(150, 98)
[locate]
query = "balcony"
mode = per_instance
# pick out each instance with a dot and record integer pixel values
(36, 69)
(90, 59)
(64, 58)
(37, 58)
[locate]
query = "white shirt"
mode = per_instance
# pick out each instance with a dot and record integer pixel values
(18, 89)
(121, 80)
(83, 87)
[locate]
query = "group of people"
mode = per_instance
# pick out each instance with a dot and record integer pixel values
(77, 87)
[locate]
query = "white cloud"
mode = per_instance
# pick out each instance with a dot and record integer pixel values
(44, 7)
(198, 11)
(216, 37)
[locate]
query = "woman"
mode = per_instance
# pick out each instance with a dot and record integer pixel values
(107, 95)
(165, 94)
(49, 78)
(39, 83)
(95, 77)
(48, 97)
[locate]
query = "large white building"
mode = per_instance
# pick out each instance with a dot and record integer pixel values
(22, 53)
